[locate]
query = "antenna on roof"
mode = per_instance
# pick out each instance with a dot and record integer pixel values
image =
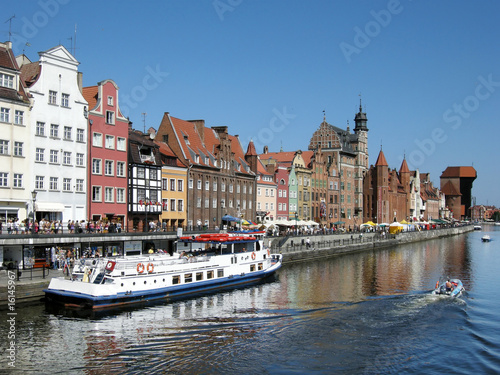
(324, 116)
(74, 45)
(144, 114)
(10, 25)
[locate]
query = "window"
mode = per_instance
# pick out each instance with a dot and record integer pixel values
(120, 195)
(18, 117)
(207, 203)
(4, 179)
(190, 183)
(79, 185)
(97, 140)
(110, 117)
(207, 185)
(199, 185)
(172, 204)
(66, 184)
(165, 204)
(172, 184)
(284, 193)
(80, 160)
(141, 172)
(214, 203)
(52, 97)
(80, 135)
(96, 166)
(53, 184)
(54, 156)
(39, 182)
(108, 194)
(152, 174)
(215, 185)
(18, 180)
(237, 188)
(54, 130)
(6, 80)
(223, 203)
(108, 167)
(223, 187)
(40, 128)
(210, 274)
(67, 133)
(180, 205)
(258, 192)
(65, 100)
(4, 147)
(110, 100)
(40, 155)
(67, 158)
(220, 273)
(120, 169)
(96, 194)
(180, 185)
(110, 142)
(284, 206)
(4, 114)
(198, 202)
(230, 188)
(121, 144)
(188, 277)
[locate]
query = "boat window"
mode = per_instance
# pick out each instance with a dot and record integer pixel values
(261, 266)
(252, 267)
(199, 276)
(220, 273)
(176, 279)
(210, 274)
(188, 277)
(257, 245)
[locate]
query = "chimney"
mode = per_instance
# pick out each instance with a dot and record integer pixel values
(79, 80)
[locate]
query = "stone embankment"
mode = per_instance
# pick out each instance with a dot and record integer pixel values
(295, 248)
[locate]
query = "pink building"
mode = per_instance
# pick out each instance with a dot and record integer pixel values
(281, 178)
(107, 156)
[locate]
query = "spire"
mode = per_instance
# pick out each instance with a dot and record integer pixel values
(360, 119)
(404, 167)
(251, 149)
(281, 149)
(381, 159)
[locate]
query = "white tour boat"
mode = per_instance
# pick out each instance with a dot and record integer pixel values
(202, 263)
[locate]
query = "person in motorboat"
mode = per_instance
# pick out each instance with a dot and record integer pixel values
(449, 286)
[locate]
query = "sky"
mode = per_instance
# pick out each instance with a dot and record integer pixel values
(427, 72)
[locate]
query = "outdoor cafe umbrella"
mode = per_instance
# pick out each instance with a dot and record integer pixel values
(230, 218)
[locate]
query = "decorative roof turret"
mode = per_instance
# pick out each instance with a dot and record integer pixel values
(360, 120)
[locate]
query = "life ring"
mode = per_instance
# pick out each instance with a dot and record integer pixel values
(268, 253)
(253, 255)
(437, 284)
(140, 267)
(151, 267)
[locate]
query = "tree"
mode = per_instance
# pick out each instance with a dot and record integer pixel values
(496, 216)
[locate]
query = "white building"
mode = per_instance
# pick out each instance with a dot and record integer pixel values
(15, 179)
(58, 135)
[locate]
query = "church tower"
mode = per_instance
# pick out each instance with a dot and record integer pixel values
(360, 146)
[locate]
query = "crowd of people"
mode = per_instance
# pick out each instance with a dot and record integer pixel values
(44, 226)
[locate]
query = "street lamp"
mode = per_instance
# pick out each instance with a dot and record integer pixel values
(296, 222)
(33, 196)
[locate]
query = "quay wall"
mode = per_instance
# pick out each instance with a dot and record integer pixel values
(294, 249)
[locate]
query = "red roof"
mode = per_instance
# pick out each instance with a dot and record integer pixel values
(30, 73)
(166, 150)
(453, 172)
(381, 160)
(449, 189)
(404, 167)
(251, 149)
(90, 94)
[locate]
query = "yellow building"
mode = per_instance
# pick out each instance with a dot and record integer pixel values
(174, 190)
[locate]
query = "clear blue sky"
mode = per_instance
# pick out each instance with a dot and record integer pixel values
(428, 71)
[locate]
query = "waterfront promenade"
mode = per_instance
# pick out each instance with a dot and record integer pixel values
(31, 282)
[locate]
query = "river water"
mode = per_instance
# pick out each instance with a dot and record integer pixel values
(364, 313)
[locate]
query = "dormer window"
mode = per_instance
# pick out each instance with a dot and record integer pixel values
(197, 158)
(206, 160)
(186, 140)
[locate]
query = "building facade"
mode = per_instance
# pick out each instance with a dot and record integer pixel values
(58, 135)
(456, 184)
(144, 182)
(16, 203)
(107, 154)
(221, 180)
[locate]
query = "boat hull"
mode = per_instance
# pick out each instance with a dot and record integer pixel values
(456, 292)
(74, 294)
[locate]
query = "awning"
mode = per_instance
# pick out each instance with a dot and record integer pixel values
(49, 207)
(230, 218)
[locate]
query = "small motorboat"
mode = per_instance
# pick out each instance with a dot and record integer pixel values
(449, 287)
(486, 238)
(477, 227)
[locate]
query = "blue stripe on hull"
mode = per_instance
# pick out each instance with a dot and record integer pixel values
(71, 299)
